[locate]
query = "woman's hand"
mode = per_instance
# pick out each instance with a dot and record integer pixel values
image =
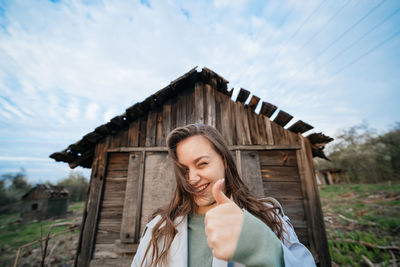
(223, 224)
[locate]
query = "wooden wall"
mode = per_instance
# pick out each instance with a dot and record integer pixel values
(132, 175)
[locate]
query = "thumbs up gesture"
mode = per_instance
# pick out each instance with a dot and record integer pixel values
(223, 224)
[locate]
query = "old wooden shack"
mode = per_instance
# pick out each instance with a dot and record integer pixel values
(43, 202)
(332, 176)
(132, 175)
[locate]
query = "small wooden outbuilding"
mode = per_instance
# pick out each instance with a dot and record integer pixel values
(332, 176)
(44, 202)
(132, 174)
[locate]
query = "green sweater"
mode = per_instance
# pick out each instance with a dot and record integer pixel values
(257, 244)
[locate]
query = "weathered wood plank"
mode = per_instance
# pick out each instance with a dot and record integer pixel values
(318, 240)
(242, 96)
(133, 133)
(300, 127)
(268, 129)
(292, 137)
(279, 172)
(245, 124)
(159, 184)
(227, 128)
(233, 122)
(151, 128)
(181, 110)
(294, 209)
(166, 123)
(240, 132)
(283, 118)
(267, 109)
(278, 134)
(117, 174)
(143, 128)
(251, 175)
(210, 115)
(159, 127)
(286, 190)
(199, 102)
(278, 158)
(87, 235)
(218, 111)
(254, 102)
(128, 225)
(253, 127)
(190, 106)
(262, 129)
(123, 137)
(174, 110)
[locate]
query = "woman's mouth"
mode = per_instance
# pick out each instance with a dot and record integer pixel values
(202, 188)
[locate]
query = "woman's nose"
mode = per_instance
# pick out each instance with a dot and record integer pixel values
(193, 177)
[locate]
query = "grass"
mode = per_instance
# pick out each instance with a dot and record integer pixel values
(14, 233)
(361, 213)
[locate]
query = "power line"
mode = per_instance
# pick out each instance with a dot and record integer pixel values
(367, 52)
(306, 20)
(336, 40)
(350, 28)
(362, 37)
(326, 24)
(298, 29)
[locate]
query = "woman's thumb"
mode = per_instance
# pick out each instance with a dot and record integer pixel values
(218, 194)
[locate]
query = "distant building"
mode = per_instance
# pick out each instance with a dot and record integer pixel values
(43, 202)
(332, 176)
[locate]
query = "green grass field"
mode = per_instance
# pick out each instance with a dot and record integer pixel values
(14, 234)
(356, 215)
(353, 214)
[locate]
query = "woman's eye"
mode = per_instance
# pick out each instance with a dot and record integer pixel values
(203, 163)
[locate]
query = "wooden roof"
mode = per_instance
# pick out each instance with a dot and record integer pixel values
(51, 191)
(81, 152)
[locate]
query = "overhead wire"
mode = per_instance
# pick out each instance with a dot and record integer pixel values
(367, 52)
(361, 38)
(325, 25)
(335, 40)
(299, 29)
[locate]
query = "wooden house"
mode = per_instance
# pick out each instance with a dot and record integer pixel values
(332, 176)
(132, 174)
(43, 202)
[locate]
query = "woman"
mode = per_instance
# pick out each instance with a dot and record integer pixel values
(212, 218)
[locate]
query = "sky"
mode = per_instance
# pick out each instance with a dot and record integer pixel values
(67, 67)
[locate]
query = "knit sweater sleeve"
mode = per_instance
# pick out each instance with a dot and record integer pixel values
(258, 246)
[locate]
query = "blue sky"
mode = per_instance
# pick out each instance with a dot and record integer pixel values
(68, 66)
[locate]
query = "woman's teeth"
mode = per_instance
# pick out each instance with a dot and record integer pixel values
(202, 188)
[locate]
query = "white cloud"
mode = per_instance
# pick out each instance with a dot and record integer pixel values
(10, 158)
(69, 66)
(92, 111)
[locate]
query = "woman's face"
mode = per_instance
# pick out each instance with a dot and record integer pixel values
(204, 167)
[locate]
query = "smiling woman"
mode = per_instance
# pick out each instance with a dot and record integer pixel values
(212, 218)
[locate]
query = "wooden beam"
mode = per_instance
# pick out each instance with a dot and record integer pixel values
(234, 147)
(90, 217)
(92, 137)
(283, 118)
(243, 95)
(267, 109)
(128, 225)
(254, 102)
(300, 127)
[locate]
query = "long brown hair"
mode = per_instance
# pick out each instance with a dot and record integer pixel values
(182, 201)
